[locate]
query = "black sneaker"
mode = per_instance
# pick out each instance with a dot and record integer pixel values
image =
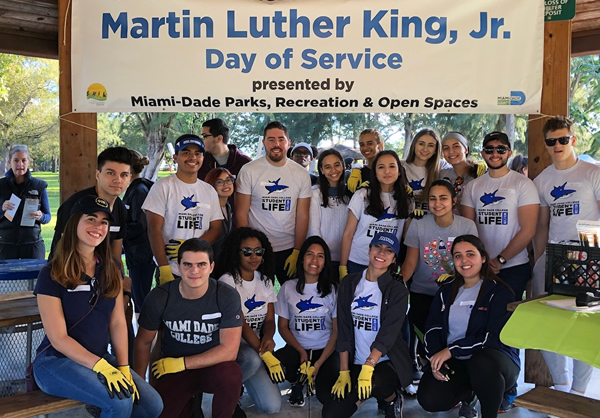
(393, 409)
(238, 412)
(296, 398)
(468, 409)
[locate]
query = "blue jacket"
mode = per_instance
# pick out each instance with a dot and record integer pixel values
(487, 320)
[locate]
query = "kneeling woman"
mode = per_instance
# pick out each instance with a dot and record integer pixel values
(374, 358)
(80, 300)
(467, 358)
(307, 310)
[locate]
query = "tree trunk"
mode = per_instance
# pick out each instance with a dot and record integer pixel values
(408, 128)
(510, 130)
(156, 128)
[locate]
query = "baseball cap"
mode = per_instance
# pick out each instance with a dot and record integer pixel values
(186, 140)
(91, 204)
(305, 145)
(499, 136)
(388, 239)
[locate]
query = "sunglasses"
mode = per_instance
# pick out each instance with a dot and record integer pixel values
(563, 140)
(248, 251)
(94, 297)
(499, 150)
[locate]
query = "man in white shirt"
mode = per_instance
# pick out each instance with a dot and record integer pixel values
(273, 196)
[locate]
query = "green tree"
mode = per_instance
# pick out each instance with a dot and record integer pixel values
(585, 102)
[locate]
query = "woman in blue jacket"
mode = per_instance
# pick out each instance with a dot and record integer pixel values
(462, 339)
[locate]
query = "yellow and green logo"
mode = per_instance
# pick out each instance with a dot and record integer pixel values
(96, 92)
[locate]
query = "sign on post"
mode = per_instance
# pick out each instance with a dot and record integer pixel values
(556, 10)
(473, 56)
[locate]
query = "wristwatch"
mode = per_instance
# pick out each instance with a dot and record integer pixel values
(501, 259)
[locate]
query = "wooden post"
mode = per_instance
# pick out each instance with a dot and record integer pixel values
(555, 101)
(78, 136)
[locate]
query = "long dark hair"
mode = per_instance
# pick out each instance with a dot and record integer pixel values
(327, 278)
(444, 183)
(374, 203)
(68, 266)
(229, 259)
(324, 183)
(433, 163)
(485, 273)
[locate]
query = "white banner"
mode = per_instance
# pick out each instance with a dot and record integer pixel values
(434, 56)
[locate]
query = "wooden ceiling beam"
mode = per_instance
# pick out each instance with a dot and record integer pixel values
(25, 45)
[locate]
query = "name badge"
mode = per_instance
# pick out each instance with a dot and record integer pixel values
(211, 316)
(115, 228)
(467, 303)
(81, 288)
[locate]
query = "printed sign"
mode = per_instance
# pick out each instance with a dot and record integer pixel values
(556, 10)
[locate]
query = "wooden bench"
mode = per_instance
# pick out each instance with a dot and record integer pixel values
(32, 404)
(560, 404)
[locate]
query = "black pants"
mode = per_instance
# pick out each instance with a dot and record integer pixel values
(384, 382)
(420, 305)
(488, 373)
(142, 277)
(517, 278)
(280, 272)
(326, 377)
(15, 251)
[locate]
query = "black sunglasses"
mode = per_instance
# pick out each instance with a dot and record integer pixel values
(499, 150)
(94, 286)
(248, 251)
(563, 140)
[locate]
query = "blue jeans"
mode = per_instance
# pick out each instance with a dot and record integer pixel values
(62, 377)
(264, 393)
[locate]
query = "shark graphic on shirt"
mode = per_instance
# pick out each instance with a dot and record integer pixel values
(275, 187)
(560, 192)
(386, 215)
(363, 303)
(307, 305)
(252, 304)
(188, 202)
(416, 184)
(491, 198)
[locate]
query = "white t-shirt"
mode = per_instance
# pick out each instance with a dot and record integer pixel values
(417, 179)
(497, 202)
(309, 314)
(368, 225)
(328, 223)
(274, 194)
(255, 296)
(571, 195)
(366, 316)
(188, 209)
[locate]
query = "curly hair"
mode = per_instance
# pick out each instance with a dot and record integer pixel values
(375, 204)
(327, 278)
(229, 259)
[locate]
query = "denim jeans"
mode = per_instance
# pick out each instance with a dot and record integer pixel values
(62, 377)
(264, 393)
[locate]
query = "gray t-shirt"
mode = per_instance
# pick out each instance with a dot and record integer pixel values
(460, 313)
(434, 244)
(191, 326)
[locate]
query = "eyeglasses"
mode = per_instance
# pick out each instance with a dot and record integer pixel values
(563, 140)
(94, 286)
(248, 251)
(499, 150)
(223, 182)
(204, 136)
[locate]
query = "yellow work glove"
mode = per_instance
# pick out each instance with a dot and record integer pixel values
(354, 180)
(172, 249)
(167, 365)
(116, 383)
(343, 270)
(290, 263)
(165, 274)
(417, 214)
(338, 391)
(481, 168)
(134, 390)
(306, 376)
(409, 190)
(364, 382)
(275, 370)
(443, 278)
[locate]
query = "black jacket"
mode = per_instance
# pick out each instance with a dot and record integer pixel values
(136, 243)
(393, 311)
(485, 324)
(31, 188)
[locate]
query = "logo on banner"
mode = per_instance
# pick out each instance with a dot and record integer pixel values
(96, 93)
(516, 98)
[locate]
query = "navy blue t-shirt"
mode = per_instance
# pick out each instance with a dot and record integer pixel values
(93, 332)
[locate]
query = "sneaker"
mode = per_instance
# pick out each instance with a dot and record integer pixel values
(416, 373)
(297, 396)
(238, 412)
(410, 390)
(468, 409)
(508, 400)
(394, 409)
(381, 405)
